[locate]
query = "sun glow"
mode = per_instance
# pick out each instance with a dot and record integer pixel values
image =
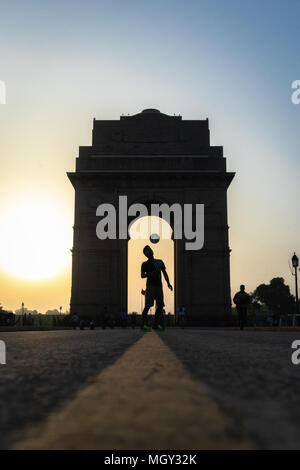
(35, 238)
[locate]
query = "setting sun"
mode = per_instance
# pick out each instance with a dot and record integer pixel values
(35, 238)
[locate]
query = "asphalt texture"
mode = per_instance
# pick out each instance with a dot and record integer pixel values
(134, 404)
(251, 374)
(45, 369)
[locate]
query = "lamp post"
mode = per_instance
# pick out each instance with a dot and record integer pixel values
(295, 263)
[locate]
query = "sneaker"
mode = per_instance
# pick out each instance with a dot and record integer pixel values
(145, 328)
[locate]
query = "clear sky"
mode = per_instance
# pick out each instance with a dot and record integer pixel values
(65, 62)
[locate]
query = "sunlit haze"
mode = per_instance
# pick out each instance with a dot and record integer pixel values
(36, 236)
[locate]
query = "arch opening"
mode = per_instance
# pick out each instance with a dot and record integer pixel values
(157, 233)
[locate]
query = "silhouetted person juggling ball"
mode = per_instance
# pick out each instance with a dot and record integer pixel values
(152, 269)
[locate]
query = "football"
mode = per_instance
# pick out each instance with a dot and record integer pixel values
(154, 238)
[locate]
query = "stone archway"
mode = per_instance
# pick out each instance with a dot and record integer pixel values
(151, 157)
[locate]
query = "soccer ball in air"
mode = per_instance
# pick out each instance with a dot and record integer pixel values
(154, 238)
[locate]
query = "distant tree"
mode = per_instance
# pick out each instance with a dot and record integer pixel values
(255, 305)
(2, 309)
(276, 296)
(6, 317)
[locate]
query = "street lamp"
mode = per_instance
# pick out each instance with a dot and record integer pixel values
(295, 263)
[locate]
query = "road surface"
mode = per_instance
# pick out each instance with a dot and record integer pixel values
(128, 389)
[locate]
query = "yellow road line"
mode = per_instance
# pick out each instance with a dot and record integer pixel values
(145, 400)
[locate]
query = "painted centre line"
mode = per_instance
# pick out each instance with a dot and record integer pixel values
(145, 400)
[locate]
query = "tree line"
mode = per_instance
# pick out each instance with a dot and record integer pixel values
(275, 297)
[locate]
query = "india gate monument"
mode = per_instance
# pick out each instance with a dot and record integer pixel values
(151, 158)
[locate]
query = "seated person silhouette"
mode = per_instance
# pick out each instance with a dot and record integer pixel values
(152, 270)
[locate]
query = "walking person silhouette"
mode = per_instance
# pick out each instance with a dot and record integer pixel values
(241, 300)
(152, 269)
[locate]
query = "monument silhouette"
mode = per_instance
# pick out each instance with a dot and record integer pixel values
(151, 158)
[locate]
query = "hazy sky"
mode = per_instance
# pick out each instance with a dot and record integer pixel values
(65, 62)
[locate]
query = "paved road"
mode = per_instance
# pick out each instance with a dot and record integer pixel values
(46, 368)
(145, 400)
(249, 373)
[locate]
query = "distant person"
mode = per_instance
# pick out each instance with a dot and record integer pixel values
(82, 324)
(92, 325)
(75, 321)
(152, 269)
(181, 317)
(29, 319)
(133, 320)
(104, 317)
(241, 300)
(111, 321)
(276, 319)
(124, 318)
